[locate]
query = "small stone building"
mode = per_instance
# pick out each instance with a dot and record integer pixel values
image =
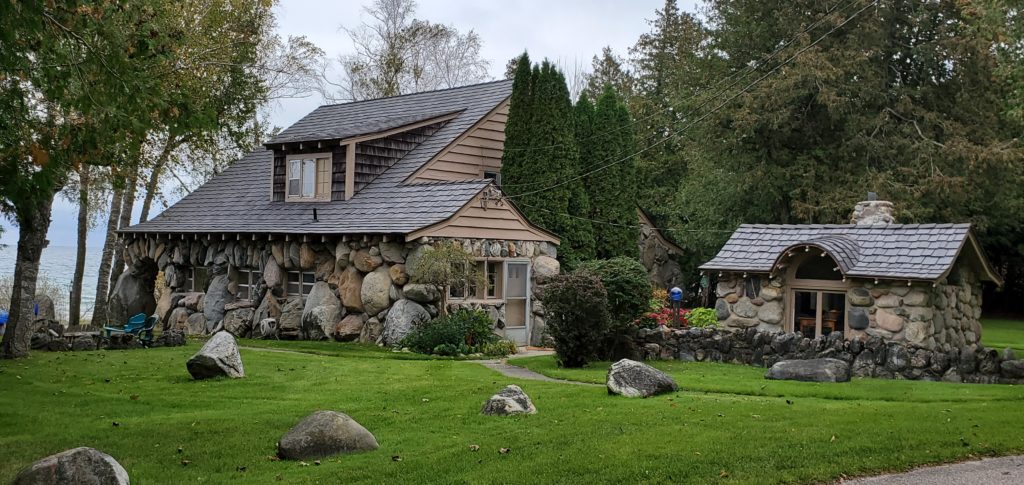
(315, 236)
(918, 284)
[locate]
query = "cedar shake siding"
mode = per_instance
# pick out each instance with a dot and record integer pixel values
(487, 216)
(475, 152)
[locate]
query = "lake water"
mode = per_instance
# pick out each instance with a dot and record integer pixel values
(58, 267)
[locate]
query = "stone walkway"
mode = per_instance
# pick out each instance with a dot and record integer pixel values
(1007, 470)
(517, 372)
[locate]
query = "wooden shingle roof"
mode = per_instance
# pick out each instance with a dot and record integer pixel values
(238, 200)
(888, 251)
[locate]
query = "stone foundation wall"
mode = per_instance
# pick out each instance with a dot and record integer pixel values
(362, 290)
(943, 316)
(871, 357)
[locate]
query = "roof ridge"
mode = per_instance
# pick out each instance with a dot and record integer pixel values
(349, 103)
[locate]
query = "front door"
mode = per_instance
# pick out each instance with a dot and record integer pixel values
(517, 302)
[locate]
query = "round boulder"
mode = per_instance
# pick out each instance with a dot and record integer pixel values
(421, 293)
(403, 316)
(376, 292)
(218, 357)
(366, 262)
(325, 433)
(545, 268)
(635, 379)
(510, 400)
(77, 465)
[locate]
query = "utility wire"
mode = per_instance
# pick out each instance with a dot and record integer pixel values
(616, 224)
(709, 113)
(745, 72)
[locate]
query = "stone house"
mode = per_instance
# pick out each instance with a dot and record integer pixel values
(918, 284)
(315, 235)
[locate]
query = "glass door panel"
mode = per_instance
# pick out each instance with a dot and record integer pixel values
(517, 304)
(805, 313)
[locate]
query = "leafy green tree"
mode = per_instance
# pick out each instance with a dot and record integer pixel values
(905, 100)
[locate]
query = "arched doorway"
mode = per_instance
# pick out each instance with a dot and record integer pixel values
(817, 295)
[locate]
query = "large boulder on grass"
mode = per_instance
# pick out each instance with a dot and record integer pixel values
(635, 379)
(325, 433)
(218, 357)
(812, 370)
(510, 400)
(75, 466)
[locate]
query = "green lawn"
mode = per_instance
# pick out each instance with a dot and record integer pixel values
(1000, 334)
(727, 424)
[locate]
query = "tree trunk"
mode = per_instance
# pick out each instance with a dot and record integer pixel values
(32, 228)
(127, 203)
(154, 177)
(75, 305)
(99, 311)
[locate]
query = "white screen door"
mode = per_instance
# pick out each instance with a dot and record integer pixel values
(517, 301)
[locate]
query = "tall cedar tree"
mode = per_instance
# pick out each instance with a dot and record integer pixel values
(606, 146)
(905, 100)
(672, 76)
(541, 162)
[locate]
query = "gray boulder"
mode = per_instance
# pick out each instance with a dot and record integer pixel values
(132, 295)
(75, 466)
(348, 329)
(216, 297)
(404, 314)
(813, 370)
(1014, 369)
(290, 322)
(238, 321)
(196, 324)
(325, 433)
(321, 312)
(218, 357)
(510, 400)
(421, 293)
(635, 379)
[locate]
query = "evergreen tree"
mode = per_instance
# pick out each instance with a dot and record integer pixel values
(541, 160)
(612, 187)
(607, 70)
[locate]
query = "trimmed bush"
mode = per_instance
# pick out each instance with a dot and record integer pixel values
(462, 332)
(629, 296)
(578, 319)
(627, 284)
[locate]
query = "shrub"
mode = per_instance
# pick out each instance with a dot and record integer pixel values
(578, 319)
(627, 284)
(702, 317)
(461, 332)
(500, 348)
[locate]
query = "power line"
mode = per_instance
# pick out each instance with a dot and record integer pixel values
(745, 72)
(706, 115)
(616, 224)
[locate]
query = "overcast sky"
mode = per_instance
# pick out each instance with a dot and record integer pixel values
(567, 31)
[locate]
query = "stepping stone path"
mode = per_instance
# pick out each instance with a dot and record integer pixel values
(813, 370)
(77, 465)
(218, 357)
(635, 379)
(510, 400)
(325, 433)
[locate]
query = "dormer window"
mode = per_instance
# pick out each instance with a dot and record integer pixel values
(309, 177)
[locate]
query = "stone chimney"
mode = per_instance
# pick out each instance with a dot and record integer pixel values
(872, 211)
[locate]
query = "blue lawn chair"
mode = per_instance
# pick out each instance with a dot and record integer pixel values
(146, 332)
(133, 326)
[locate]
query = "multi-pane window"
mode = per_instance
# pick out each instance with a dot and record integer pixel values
(309, 177)
(299, 283)
(197, 279)
(492, 280)
(248, 279)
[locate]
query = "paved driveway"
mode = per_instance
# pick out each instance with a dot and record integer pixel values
(1007, 470)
